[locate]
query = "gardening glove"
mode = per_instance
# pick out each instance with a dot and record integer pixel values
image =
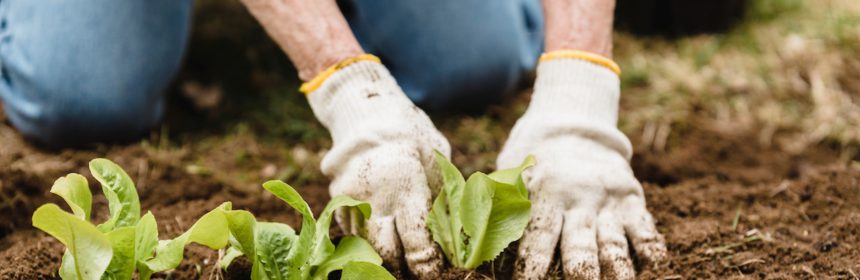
(382, 154)
(583, 192)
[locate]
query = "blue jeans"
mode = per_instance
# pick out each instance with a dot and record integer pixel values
(75, 72)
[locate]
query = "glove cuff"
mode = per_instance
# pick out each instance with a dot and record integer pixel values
(578, 89)
(356, 95)
(317, 81)
(583, 55)
(581, 96)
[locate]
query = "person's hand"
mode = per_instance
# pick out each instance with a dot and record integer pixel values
(382, 154)
(584, 195)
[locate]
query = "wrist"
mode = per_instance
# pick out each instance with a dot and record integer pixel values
(579, 25)
(316, 63)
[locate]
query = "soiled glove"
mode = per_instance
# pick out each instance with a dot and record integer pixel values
(585, 197)
(382, 154)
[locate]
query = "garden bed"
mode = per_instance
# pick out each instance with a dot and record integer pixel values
(727, 207)
(746, 145)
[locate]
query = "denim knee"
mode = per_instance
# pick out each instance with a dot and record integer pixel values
(69, 122)
(74, 73)
(452, 54)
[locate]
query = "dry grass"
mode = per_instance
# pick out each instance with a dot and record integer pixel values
(792, 69)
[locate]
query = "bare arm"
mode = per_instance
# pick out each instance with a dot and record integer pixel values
(313, 33)
(579, 25)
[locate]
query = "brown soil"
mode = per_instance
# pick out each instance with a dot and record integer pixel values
(729, 207)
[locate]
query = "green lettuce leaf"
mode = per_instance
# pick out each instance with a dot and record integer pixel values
(298, 258)
(89, 250)
(475, 220)
(350, 249)
(120, 192)
(242, 226)
(122, 264)
(494, 215)
(211, 230)
(364, 271)
(276, 252)
(229, 255)
(514, 176)
(145, 237)
(75, 190)
(274, 242)
(444, 218)
(322, 244)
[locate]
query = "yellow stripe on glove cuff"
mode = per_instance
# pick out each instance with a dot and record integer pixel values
(317, 81)
(583, 55)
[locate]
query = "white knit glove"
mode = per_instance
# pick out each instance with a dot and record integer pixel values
(583, 191)
(382, 154)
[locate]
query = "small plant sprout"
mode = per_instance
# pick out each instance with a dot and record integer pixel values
(277, 252)
(474, 220)
(123, 244)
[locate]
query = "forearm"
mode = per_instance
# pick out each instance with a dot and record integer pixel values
(313, 33)
(584, 25)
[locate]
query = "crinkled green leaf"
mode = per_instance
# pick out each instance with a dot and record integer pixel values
(350, 249)
(274, 242)
(122, 264)
(89, 249)
(75, 190)
(298, 258)
(313, 246)
(364, 271)
(120, 192)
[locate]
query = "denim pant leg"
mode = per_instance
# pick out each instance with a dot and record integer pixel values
(450, 54)
(76, 72)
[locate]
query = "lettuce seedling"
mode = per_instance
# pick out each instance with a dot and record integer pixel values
(474, 220)
(123, 244)
(277, 252)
